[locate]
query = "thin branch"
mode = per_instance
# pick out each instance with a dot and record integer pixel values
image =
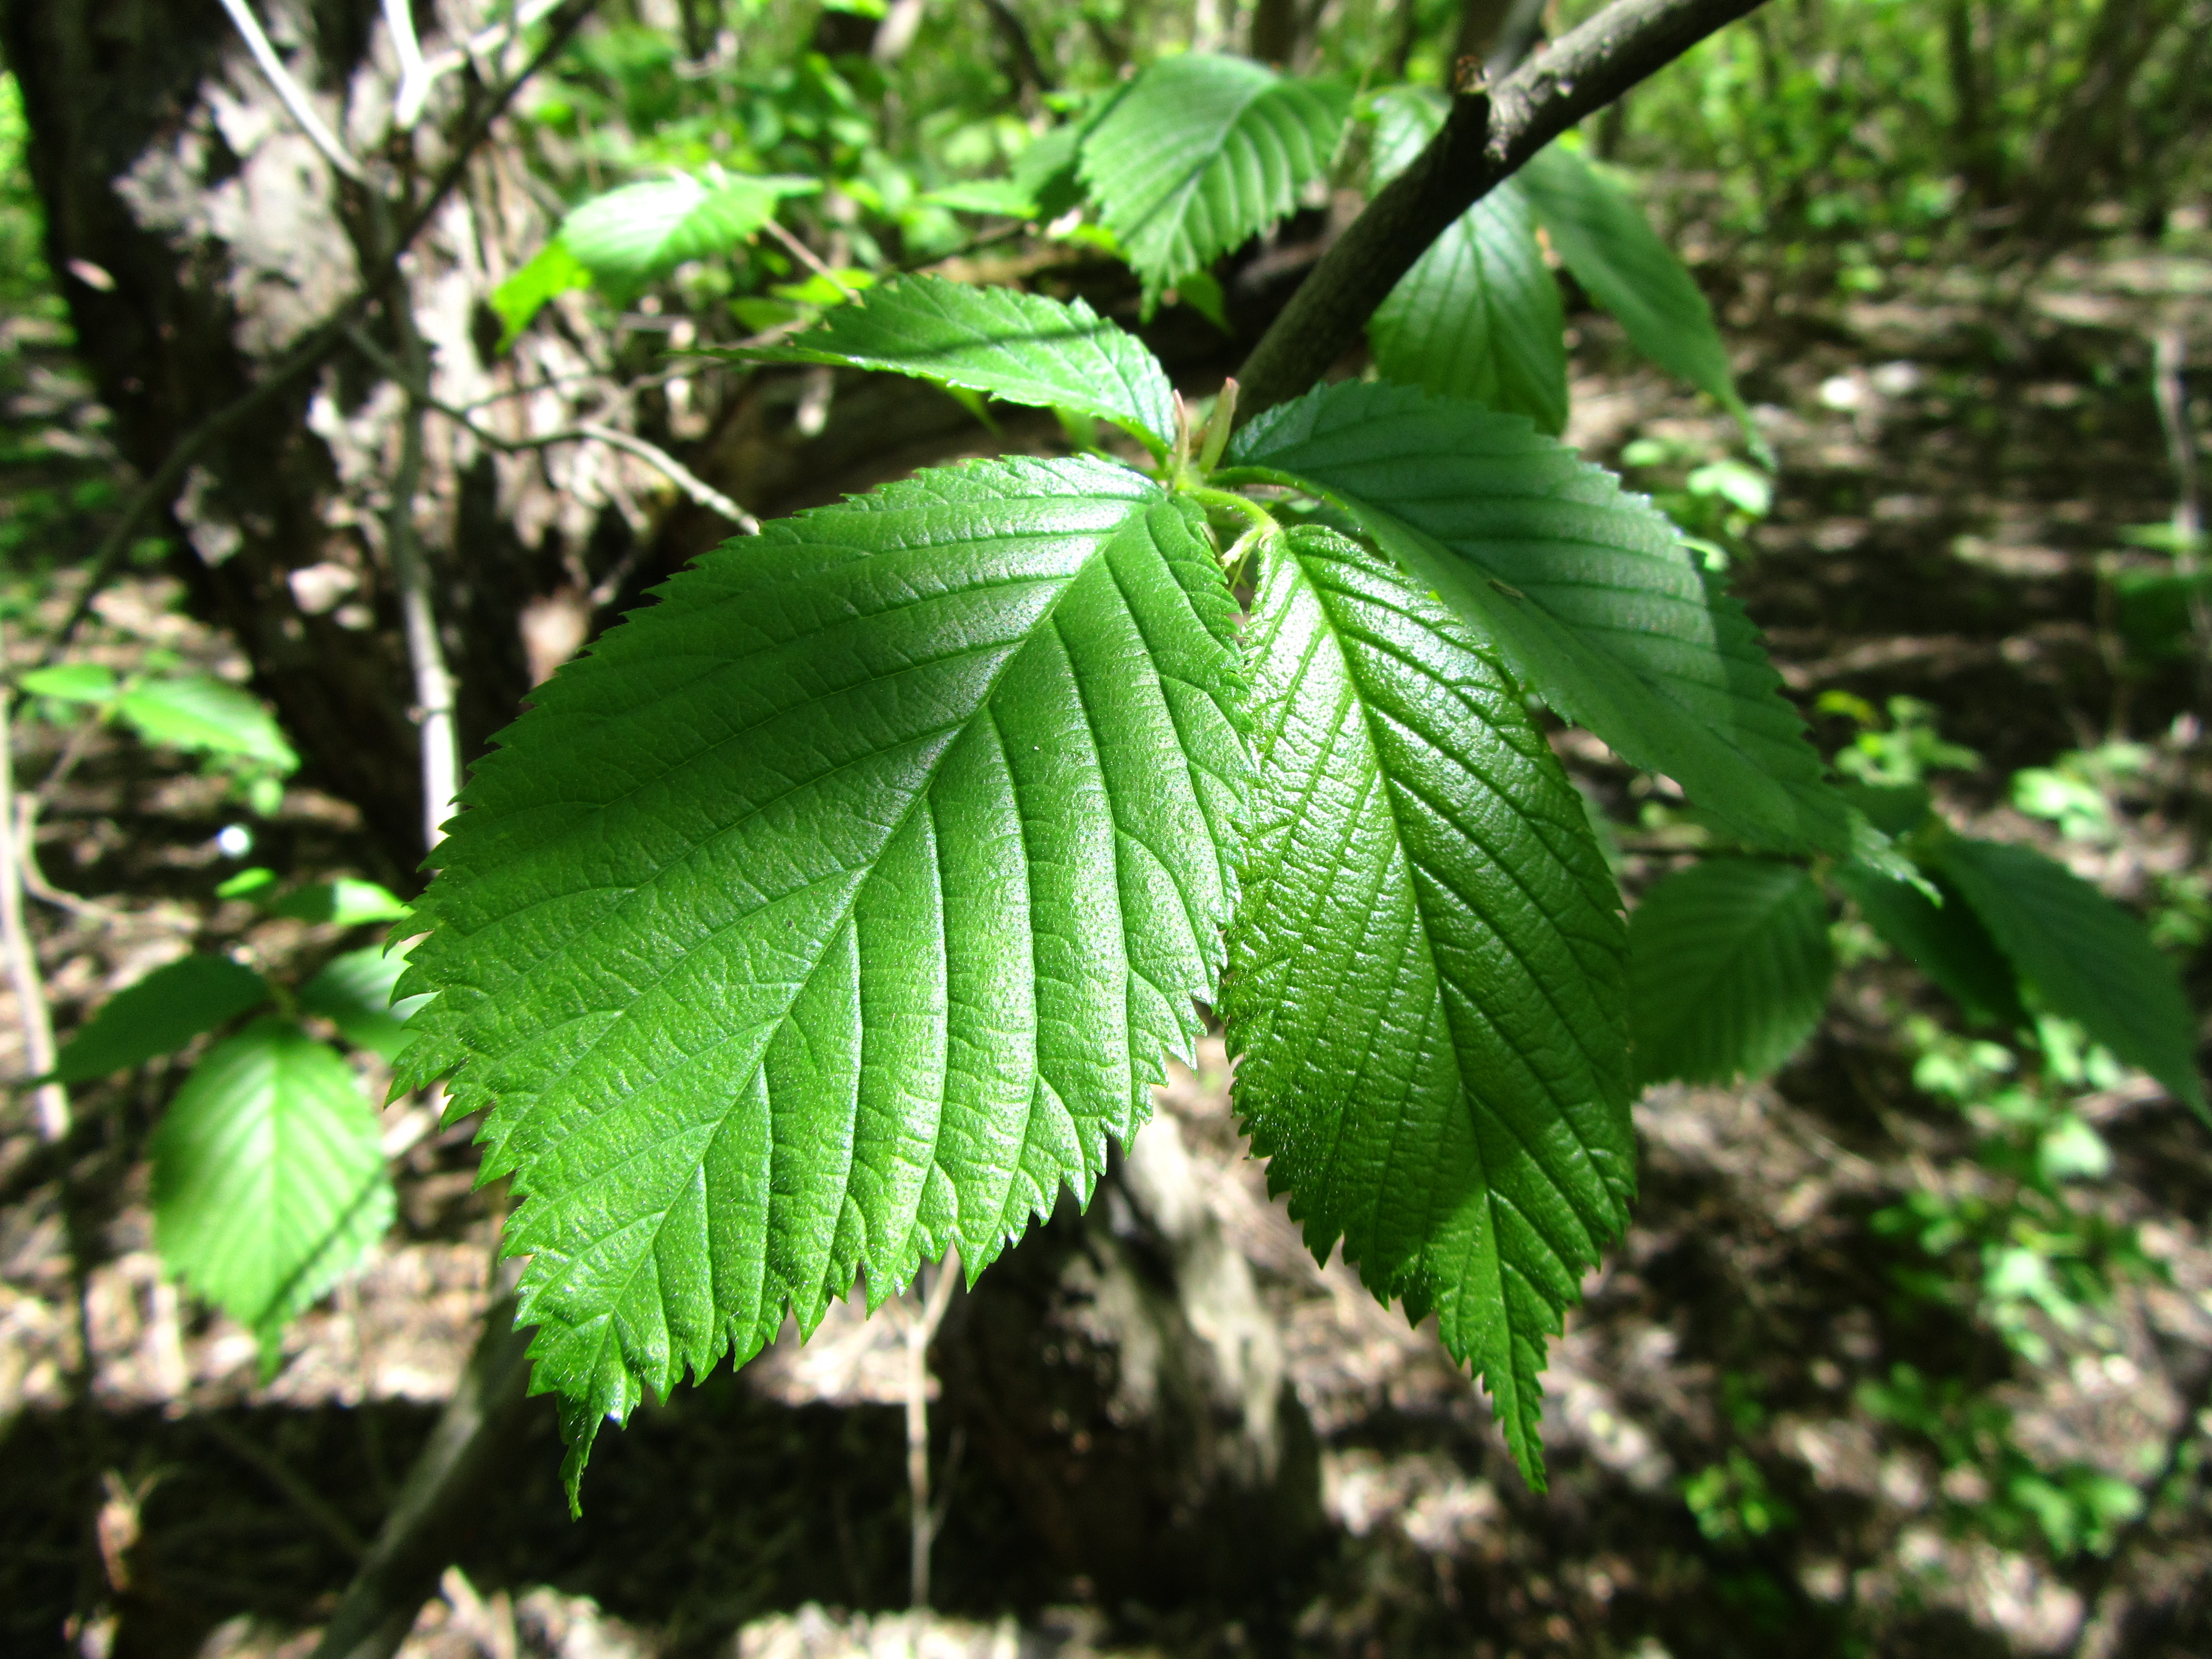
(1488, 134)
(442, 1494)
(311, 1504)
(921, 1325)
(668, 466)
(2169, 355)
(481, 46)
(584, 431)
(410, 575)
(414, 74)
(50, 1101)
(291, 93)
(807, 256)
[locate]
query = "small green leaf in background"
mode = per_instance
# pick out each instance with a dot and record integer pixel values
(1202, 153)
(997, 196)
(73, 681)
(1728, 966)
(354, 993)
(246, 883)
(159, 1014)
(1479, 315)
(1584, 587)
(1425, 980)
(838, 909)
(1945, 942)
(631, 236)
(1603, 237)
(1019, 347)
(516, 300)
(2087, 959)
(269, 1178)
(207, 716)
(346, 901)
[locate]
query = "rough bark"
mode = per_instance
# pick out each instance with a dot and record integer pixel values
(165, 161)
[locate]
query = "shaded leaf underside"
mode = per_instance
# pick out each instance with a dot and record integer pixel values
(1425, 978)
(1479, 315)
(838, 908)
(1728, 967)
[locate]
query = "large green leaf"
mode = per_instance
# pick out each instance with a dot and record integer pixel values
(1583, 586)
(1602, 237)
(633, 234)
(354, 993)
(1947, 943)
(1426, 974)
(838, 909)
(1479, 315)
(1202, 153)
(159, 1014)
(2088, 959)
(1728, 966)
(269, 1177)
(1020, 347)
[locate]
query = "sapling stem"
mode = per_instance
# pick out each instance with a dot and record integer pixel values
(50, 1104)
(921, 1326)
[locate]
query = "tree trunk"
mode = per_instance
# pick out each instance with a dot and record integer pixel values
(167, 166)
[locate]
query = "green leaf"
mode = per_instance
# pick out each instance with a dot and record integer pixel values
(269, 1177)
(1948, 943)
(838, 909)
(345, 903)
(1728, 965)
(1602, 236)
(1202, 153)
(1479, 315)
(1047, 172)
(159, 1014)
(208, 716)
(72, 682)
(516, 300)
(634, 235)
(1002, 197)
(2089, 960)
(1583, 586)
(1022, 348)
(354, 993)
(1425, 978)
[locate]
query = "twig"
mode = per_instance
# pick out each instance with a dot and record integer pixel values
(481, 46)
(1487, 136)
(584, 431)
(441, 1496)
(807, 256)
(290, 94)
(311, 1504)
(920, 1326)
(2169, 355)
(50, 1104)
(411, 576)
(414, 74)
(669, 467)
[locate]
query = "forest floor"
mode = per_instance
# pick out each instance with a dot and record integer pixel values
(1801, 1403)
